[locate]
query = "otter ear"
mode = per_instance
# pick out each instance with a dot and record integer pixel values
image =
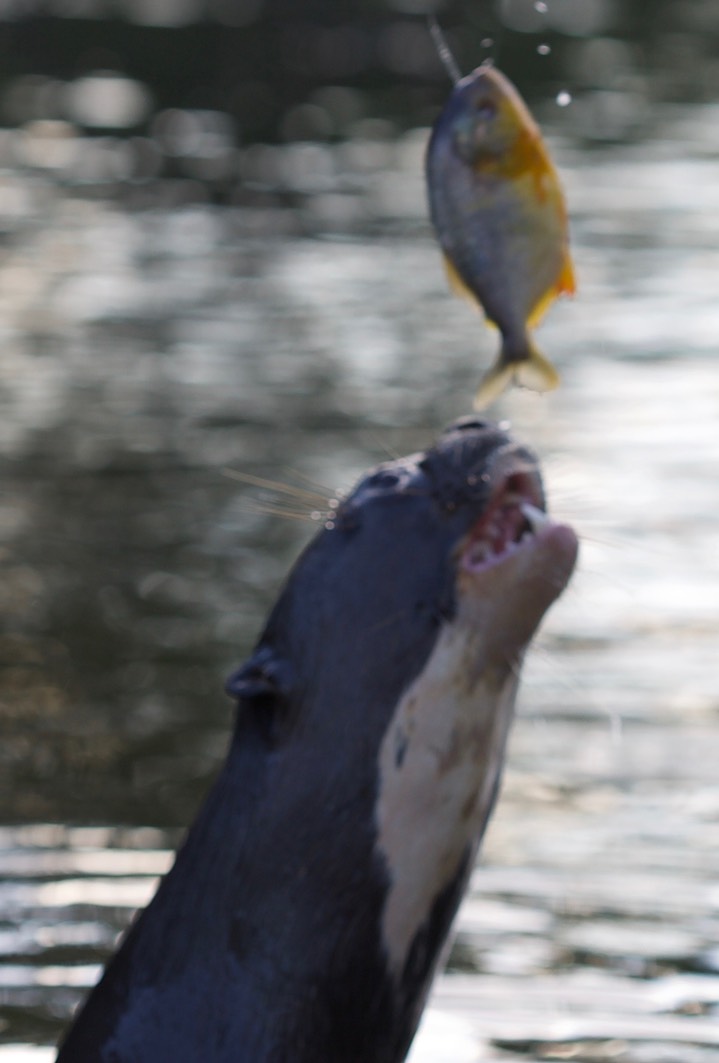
(265, 677)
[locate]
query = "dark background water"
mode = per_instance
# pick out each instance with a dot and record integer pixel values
(180, 90)
(215, 265)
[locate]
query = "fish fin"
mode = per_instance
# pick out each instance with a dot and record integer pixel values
(541, 307)
(499, 377)
(537, 374)
(523, 365)
(455, 281)
(565, 284)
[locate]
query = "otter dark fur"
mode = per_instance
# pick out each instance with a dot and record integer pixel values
(295, 925)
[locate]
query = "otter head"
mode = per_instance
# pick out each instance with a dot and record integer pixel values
(454, 538)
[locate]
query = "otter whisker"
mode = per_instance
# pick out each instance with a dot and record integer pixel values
(313, 498)
(317, 489)
(257, 506)
(383, 445)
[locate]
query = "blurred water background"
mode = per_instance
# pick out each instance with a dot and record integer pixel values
(215, 264)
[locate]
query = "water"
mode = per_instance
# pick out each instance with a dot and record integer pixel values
(150, 357)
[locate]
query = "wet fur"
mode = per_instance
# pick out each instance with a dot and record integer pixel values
(265, 942)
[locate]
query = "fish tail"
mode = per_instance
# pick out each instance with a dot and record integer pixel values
(523, 365)
(499, 377)
(538, 373)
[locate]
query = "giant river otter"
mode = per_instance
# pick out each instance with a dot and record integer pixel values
(304, 916)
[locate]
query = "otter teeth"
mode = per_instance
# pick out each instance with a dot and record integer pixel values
(536, 518)
(501, 537)
(480, 552)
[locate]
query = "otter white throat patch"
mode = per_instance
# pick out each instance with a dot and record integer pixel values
(439, 763)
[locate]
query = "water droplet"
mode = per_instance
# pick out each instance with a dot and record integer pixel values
(564, 98)
(544, 49)
(329, 525)
(316, 515)
(539, 5)
(488, 42)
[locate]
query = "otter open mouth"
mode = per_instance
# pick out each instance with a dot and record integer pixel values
(514, 516)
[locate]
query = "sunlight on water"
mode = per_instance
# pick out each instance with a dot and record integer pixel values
(11, 1053)
(443, 1038)
(98, 892)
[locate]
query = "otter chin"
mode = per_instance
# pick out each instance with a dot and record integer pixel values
(307, 909)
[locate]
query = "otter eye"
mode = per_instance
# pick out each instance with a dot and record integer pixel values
(383, 479)
(485, 109)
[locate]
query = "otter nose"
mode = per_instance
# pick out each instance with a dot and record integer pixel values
(465, 424)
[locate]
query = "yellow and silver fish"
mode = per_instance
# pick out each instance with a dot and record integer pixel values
(499, 214)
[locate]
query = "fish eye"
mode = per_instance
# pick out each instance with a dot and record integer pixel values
(485, 109)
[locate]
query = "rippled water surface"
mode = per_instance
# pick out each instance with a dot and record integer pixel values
(152, 360)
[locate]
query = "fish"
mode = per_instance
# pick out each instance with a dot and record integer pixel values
(499, 213)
